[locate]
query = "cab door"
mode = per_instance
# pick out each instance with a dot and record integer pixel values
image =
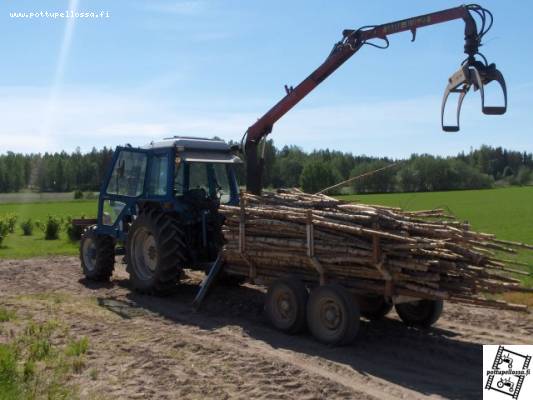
(125, 183)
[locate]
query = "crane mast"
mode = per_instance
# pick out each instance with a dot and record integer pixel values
(472, 73)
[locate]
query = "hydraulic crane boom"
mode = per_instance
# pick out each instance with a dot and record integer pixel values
(471, 73)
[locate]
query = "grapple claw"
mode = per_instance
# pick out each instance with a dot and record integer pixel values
(459, 82)
(474, 75)
(490, 74)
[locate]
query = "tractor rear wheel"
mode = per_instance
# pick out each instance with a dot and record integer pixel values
(155, 252)
(285, 305)
(97, 255)
(333, 315)
(374, 307)
(421, 313)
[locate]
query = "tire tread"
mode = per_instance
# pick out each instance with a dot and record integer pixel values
(169, 236)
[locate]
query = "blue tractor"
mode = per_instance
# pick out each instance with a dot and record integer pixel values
(158, 207)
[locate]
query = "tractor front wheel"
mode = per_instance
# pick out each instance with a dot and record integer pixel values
(97, 255)
(155, 252)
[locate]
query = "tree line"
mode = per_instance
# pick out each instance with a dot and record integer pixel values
(290, 166)
(482, 168)
(54, 172)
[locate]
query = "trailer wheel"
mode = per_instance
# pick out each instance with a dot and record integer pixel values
(97, 255)
(285, 305)
(421, 313)
(374, 307)
(155, 252)
(333, 315)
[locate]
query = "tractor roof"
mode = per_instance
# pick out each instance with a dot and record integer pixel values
(184, 143)
(195, 149)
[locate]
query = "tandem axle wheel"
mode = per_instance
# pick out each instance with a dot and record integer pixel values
(332, 313)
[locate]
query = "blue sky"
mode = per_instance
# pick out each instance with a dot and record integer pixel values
(158, 68)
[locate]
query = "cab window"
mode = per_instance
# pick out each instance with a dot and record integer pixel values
(157, 181)
(211, 177)
(220, 184)
(198, 176)
(127, 178)
(179, 179)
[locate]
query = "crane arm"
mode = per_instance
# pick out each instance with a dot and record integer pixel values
(472, 73)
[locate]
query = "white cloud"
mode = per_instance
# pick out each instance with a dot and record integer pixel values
(88, 118)
(24, 143)
(95, 117)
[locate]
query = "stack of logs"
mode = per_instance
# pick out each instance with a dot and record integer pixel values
(368, 249)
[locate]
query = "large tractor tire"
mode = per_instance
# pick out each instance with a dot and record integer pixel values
(333, 315)
(97, 255)
(421, 313)
(374, 307)
(285, 305)
(155, 252)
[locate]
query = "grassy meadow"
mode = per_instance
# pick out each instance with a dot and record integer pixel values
(34, 197)
(15, 245)
(506, 212)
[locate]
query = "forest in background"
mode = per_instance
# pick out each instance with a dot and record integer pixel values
(290, 166)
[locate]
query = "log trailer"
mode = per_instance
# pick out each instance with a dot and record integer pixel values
(158, 205)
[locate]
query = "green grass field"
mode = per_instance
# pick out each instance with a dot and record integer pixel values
(35, 197)
(507, 212)
(18, 246)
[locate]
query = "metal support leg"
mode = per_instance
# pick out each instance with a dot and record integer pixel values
(208, 282)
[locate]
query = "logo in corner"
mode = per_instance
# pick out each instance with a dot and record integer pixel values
(510, 369)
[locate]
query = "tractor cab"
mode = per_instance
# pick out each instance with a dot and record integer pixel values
(161, 202)
(179, 175)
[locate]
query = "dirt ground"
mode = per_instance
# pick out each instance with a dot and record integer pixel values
(152, 348)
